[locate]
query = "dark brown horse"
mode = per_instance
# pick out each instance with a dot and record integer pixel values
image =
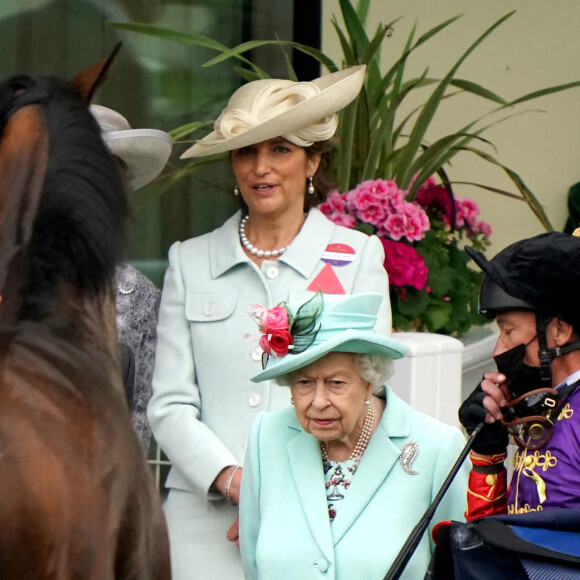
(77, 499)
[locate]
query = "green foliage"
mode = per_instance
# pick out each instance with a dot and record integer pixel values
(449, 306)
(373, 140)
(378, 138)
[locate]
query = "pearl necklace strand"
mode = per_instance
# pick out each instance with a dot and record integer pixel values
(364, 437)
(252, 249)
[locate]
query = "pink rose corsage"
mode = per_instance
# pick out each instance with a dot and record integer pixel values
(283, 333)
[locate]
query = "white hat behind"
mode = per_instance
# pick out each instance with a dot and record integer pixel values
(144, 151)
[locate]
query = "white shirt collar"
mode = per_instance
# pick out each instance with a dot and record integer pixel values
(574, 377)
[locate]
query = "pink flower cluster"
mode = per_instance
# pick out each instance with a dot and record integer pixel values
(466, 217)
(433, 196)
(399, 223)
(274, 325)
(336, 210)
(381, 204)
(404, 265)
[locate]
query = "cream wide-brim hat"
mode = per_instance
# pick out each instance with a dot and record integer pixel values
(144, 151)
(330, 94)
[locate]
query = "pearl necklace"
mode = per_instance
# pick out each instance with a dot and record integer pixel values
(364, 437)
(252, 249)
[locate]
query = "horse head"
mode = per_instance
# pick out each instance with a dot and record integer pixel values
(79, 500)
(63, 204)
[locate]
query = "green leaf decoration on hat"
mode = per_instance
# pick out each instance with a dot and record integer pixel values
(303, 327)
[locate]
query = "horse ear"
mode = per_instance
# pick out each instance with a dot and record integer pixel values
(90, 79)
(23, 162)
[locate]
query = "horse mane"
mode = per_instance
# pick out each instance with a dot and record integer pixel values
(78, 231)
(79, 500)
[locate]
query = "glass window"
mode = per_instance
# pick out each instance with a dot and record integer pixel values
(159, 84)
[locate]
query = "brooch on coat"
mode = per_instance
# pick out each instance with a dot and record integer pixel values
(408, 455)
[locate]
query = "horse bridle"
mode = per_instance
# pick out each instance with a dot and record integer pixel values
(24, 92)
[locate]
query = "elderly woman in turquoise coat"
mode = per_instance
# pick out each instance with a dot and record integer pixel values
(335, 485)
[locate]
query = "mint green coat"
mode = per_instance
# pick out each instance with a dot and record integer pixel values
(284, 526)
(204, 403)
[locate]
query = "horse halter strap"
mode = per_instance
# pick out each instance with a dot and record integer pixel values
(533, 429)
(24, 92)
(547, 355)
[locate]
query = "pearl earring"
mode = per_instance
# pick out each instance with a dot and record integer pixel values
(236, 190)
(291, 400)
(310, 188)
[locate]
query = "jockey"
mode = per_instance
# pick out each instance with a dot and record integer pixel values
(532, 289)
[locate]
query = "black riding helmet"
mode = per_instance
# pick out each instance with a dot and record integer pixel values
(493, 299)
(539, 274)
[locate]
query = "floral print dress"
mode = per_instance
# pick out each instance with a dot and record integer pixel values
(338, 476)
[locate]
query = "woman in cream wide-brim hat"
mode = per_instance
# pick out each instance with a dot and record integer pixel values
(142, 154)
(279, 246)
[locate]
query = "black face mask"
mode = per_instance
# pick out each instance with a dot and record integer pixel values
(520, 377)
(529, 420)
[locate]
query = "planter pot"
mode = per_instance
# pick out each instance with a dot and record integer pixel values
(429, 377)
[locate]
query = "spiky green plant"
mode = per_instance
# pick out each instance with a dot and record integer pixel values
(379, 138)
(373, 140)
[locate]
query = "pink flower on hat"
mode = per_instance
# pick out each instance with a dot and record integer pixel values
(265, 343)
(273, 324)
(279, 329)
(270, 320)
(275, 319)
(280, 342)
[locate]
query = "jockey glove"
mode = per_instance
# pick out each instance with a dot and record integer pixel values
(493, 438)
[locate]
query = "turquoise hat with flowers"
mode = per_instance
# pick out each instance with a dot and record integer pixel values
(295, 335)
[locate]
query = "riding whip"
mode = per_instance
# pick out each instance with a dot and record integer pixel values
(416, 534)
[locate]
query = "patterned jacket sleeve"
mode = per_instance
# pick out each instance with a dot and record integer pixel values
(137, 304)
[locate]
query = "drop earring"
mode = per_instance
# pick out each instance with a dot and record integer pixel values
(310, 188)
(236, 190)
